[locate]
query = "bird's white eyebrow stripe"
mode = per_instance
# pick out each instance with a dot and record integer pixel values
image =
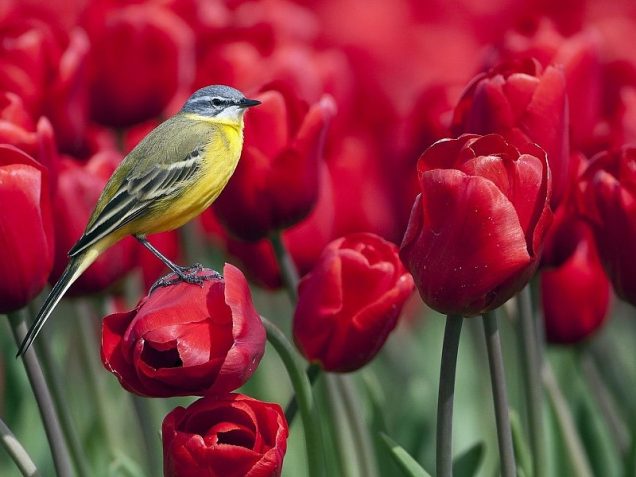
(208, 99)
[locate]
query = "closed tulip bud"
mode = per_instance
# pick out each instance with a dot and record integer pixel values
(523, 103)
(229, 435)
(607, 192)
(580, 57)
(142, 59)
(575, 294)
(26, 241)
(361, 205)
(476, 229)
(184, 339)
(37, 139)
(350, 302)
(277, 179)
(78, 188)
(304, 241)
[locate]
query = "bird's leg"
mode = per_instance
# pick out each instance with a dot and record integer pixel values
(188, 274)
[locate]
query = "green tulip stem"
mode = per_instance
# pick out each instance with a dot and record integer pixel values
(54, 434)
(89, 350)
(17, 453)
(144, 411)
(573, 444)
(55, 385)
(313, 372)
(286, 264)
(446, 394)
(306, 404)
(531, 371)
(500, 399)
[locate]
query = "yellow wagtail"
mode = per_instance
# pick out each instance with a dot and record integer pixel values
(170, 177)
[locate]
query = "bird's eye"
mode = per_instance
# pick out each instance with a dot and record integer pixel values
(216, 102)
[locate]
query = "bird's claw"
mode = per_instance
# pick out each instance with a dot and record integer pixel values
(190, 274)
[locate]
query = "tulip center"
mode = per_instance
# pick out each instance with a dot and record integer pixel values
(165, 358)
(236, 437)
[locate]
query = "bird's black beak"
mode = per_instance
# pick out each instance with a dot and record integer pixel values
(248, 103)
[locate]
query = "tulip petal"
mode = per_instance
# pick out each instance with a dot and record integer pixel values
(464, 241)
(267, 128)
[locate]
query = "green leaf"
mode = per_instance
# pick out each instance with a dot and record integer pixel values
(522, 450)
(406, 463)
(603, 455)
(124, 466)
(377, 424)
(468, 462)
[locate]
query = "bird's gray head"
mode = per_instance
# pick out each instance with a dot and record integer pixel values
(220, 102)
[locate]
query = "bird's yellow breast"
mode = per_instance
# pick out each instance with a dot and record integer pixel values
(219, 158)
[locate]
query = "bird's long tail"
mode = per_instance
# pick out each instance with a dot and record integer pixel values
(73, 270)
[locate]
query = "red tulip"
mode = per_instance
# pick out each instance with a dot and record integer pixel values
(350, 302)
(361, 205)
(29, 49)
(78, 188)
(276, 182)
(476, 229)
(580, 57)
(42, 59)
(186, 339)
(36, 138)
(618, 125)
(304, 241)
(67, 100)
(26, 241)
(142, 59)
(575, 295)
(608, 202)
(524, 104)
(230, 435)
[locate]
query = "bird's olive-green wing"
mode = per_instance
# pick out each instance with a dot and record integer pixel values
(162, 166)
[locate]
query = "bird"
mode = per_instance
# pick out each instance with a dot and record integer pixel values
(170, 177)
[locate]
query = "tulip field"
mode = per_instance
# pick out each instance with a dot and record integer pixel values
(422, 260)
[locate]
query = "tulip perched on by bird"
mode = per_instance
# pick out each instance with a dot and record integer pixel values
(182, 340)
(154, 191)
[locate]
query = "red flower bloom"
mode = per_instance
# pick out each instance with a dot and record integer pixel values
(230, 435)
(67, 99)
(26, 241)
(276, 182)
(18, 128)
(580, 57)
(575, 295)
(78, 188)
(524, 104)
(41, 61)
(477, 227)
(361, 205)
(142, 58)
(304, 241)
(29, 50)
(350, 302)
(186, 340)
(608, 201)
